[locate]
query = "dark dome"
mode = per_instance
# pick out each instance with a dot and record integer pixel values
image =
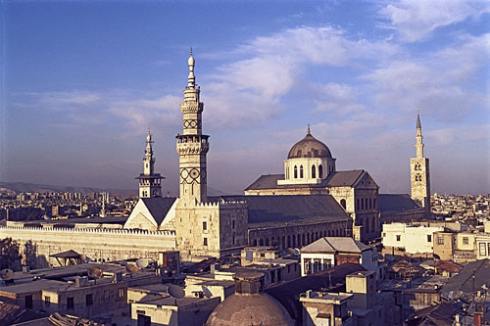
(252, 309)
(309, 147)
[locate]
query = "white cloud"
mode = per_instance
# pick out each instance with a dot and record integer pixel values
(338, 99)
(251, 88)
(415, 20)
(436, 83)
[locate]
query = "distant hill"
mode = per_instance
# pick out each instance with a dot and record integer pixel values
(33, 187)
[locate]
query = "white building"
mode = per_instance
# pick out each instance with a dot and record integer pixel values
(332, 251)
(399, 238)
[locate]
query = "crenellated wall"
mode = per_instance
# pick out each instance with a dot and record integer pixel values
(91, 243)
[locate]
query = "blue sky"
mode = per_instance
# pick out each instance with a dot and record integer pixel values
(82, 82)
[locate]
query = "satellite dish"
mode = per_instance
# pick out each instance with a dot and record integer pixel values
(132, 268)
(142, 263)
(176, 291)
(297, 252)
(6, 274)
(95, 272)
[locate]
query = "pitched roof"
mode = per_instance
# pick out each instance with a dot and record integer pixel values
(396, 203)
(289, 208)
(159, 207)
(66, 254)
(344, 178)
(337, 179)
(266, 181)
(335, 244)
(470, 279)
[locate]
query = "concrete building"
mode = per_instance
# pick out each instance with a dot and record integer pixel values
(332, 251)
(172, 311)
(404, 239)
(461, 247)
(324, 308)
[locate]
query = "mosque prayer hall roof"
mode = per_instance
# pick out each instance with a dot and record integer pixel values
(337, 179)
(289, 208)
(396, 203)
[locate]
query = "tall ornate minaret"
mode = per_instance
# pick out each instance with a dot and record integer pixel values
(149, 181)
(419, 171)
(192, 145)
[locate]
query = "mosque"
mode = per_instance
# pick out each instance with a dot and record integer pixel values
(309, 200)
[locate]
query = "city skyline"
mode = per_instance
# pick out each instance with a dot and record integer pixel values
(77, 114)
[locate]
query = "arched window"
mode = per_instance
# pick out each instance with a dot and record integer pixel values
(343, 203)
(320, 171)
(417, 167)
(301, 171)
(295, 172)
(313, 171)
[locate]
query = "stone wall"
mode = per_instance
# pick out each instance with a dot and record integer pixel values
(93, 244)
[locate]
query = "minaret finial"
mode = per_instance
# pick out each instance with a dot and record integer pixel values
(148, 136)
(308, 130)
(419, 125)
(191, 78)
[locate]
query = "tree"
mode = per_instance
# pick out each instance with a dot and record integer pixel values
(9, 253)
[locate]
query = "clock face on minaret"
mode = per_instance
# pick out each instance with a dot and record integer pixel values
(192, 145)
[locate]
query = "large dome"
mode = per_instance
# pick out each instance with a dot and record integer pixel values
(249, 305)
(255, 309)
(309, 147)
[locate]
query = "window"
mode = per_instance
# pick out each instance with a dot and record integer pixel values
(205, 241)
(143, 320)
(301, 171)
(417, 167)
(70, 304)
(483, 249)
(205, 226)
(47, 301)
(233, 224)
(313, 171)
(89, 300)
(398, 237)
(320, 171)
(295, 172)
(121, 293)
(429, 237)
(343, 203)
(440, 240)
(465, 240)
(28, 301)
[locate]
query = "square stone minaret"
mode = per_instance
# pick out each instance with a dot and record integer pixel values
(192, 145)
(419, 171)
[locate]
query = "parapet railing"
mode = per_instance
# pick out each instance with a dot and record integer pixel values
(89, 230)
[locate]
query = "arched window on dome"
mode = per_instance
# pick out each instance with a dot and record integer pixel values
(313, 171)
(320, 171)
(301, 171)
(295, 172)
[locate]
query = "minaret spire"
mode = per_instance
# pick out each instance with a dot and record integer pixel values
(419, 139)
(419, 171)
(149, 181)
(308, 130)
